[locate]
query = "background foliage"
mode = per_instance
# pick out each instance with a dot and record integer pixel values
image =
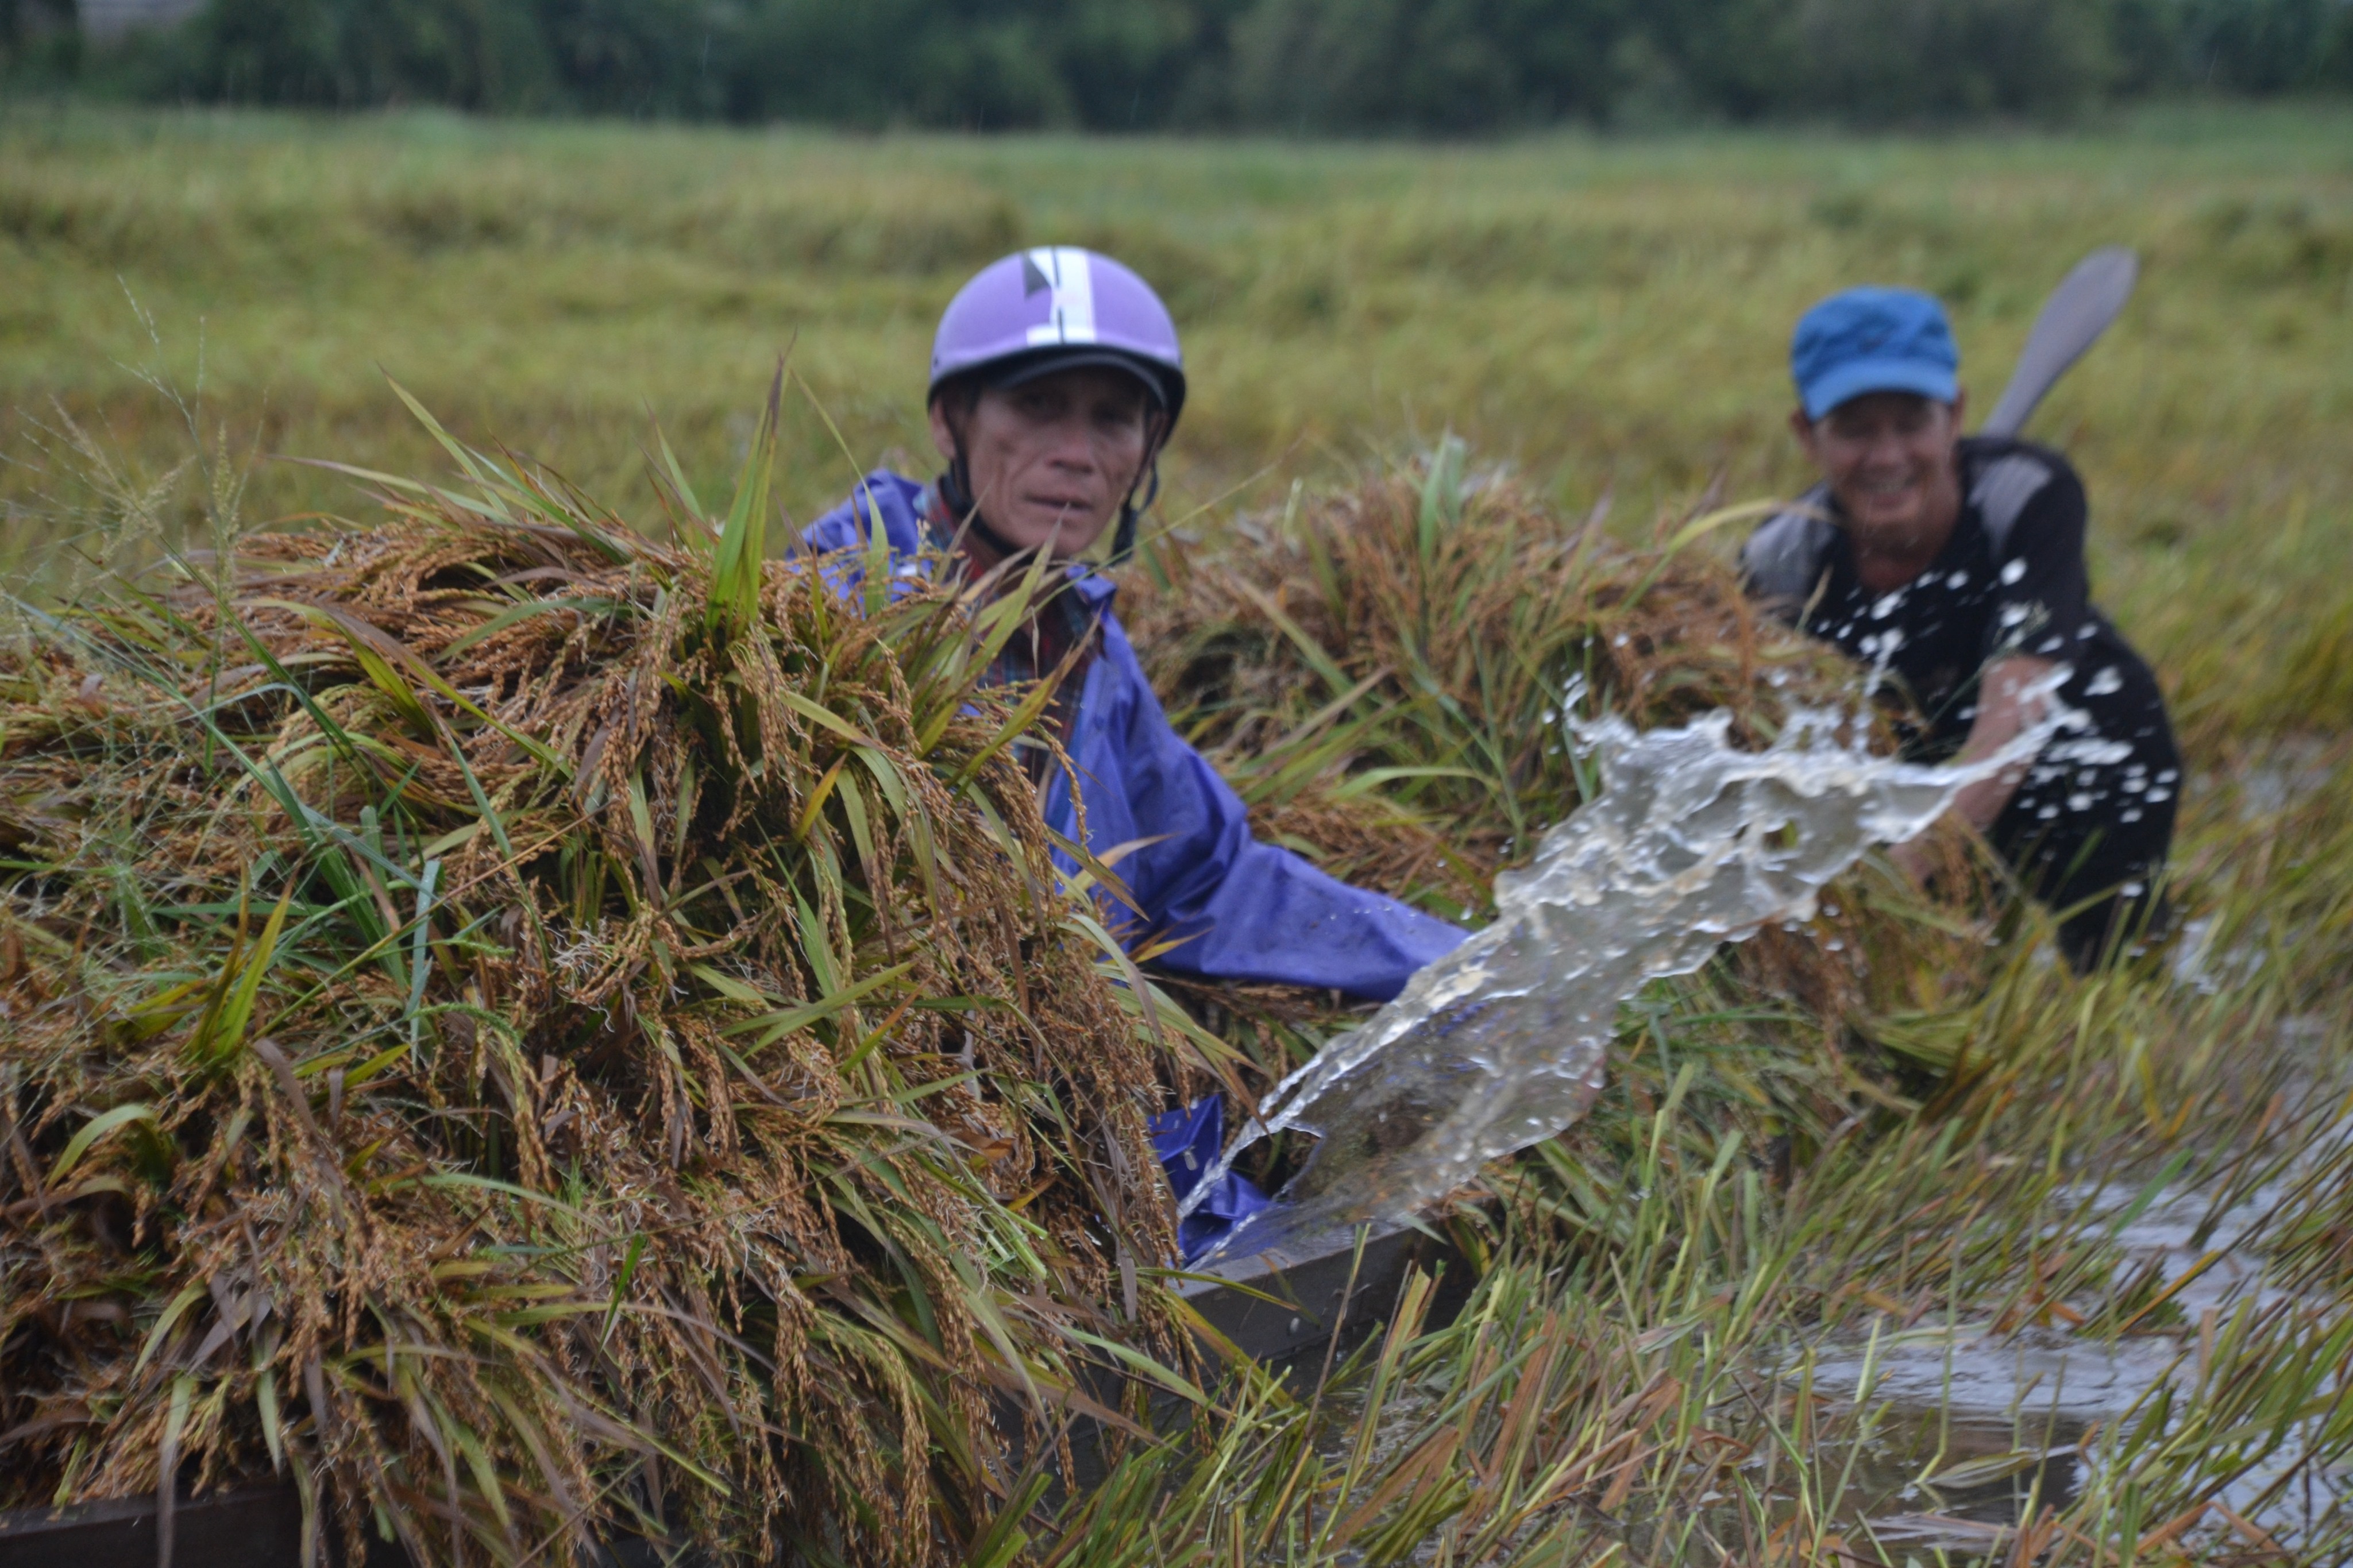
(1412, 66)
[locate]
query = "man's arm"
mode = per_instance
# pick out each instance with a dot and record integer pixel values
(2006, 706)
(1239, 909)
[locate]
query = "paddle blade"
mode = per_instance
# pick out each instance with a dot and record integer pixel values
(2073, 319)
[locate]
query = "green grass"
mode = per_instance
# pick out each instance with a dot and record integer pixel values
(1609, 315)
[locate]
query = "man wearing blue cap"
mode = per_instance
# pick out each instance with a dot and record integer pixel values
(1956, 564)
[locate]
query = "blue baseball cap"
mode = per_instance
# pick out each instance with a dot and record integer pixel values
(1874, 339)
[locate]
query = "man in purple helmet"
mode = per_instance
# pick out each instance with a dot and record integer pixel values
(1056, 379)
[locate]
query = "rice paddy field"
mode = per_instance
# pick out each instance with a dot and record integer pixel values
(334, 845)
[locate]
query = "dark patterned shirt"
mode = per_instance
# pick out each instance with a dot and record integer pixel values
(2010, 580)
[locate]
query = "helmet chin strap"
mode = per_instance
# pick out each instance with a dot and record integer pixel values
(955, 493)
(1122, 543)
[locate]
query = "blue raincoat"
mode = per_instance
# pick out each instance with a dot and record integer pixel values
(1244, 910)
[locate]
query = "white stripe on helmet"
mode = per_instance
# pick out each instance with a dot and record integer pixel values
(1071, 318)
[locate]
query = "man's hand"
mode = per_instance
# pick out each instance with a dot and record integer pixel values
(2005, 707)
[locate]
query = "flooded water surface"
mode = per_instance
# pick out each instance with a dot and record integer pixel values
(1967, 1428)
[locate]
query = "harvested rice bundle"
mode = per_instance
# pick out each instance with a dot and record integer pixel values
(1381, 671)
(1438, 623)
(530, 1032)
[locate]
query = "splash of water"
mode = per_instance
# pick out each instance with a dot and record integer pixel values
(1692, 843)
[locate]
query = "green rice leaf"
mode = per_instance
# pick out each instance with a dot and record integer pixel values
(96, 1128)
(1441, 492)
(743, 545)
(223, 1029)
(775, 1026)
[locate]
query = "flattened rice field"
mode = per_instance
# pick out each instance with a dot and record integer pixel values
(1891, 1241)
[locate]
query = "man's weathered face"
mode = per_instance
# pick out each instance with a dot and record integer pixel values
(1889, 456)
(1051, 460)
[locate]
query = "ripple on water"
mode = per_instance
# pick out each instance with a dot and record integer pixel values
(1968, 1426)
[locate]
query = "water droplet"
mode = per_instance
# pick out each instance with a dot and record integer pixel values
(1692, 842)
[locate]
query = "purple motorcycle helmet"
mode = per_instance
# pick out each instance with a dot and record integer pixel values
(1057, 308)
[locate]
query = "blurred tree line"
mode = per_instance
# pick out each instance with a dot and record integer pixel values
(1419, 65)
